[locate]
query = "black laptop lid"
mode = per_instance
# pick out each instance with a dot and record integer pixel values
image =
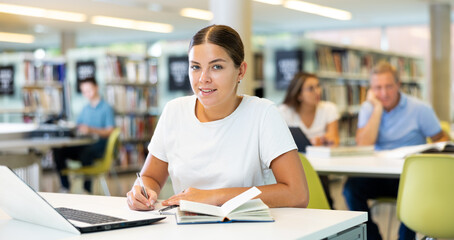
(300, 139)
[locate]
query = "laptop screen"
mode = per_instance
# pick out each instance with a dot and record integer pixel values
(22, 203)
(300, 139)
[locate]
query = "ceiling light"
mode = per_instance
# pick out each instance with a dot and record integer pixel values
(132, 24)
(43, 13)
(272, 2)
(318, 10)
(196, 13)
(16, 37)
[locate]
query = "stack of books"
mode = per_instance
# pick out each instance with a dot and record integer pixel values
(326, 152)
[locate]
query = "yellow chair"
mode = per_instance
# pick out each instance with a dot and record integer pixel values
(426, 194)
(101, 166)
(446, 127)
(317, 196)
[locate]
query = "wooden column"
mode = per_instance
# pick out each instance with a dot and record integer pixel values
(440, 32)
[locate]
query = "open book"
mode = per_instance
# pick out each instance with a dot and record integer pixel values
(326, 152)
(241, 208)
(402, 152)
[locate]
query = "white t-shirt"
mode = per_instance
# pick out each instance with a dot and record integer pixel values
(235, 151)
(325, 114)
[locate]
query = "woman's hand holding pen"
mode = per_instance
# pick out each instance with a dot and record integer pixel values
(193, 194)
(137, 200)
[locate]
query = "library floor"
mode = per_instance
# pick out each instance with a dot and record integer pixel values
(384, 214)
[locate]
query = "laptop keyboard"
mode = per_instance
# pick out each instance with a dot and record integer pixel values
(87, 217)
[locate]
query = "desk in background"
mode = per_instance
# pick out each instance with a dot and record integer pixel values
(291, 223)
(365, 166)
(24, 154)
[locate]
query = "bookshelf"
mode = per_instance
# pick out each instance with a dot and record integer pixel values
(38, 91)
(344, 73)
(44, 90)
(128, 82)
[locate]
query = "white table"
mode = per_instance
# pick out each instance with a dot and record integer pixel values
(291, 223)
(27, 163)
(44, 143)
(366, 166)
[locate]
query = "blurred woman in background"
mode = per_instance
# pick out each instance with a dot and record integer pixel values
(303, 108)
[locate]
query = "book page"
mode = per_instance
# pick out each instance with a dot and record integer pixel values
(202, 208)
(403, 152)
(190, 217)
(448, 147)
(239, 200)
(250, 206)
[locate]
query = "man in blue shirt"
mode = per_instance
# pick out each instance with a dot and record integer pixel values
(388, 119)
(96, 118)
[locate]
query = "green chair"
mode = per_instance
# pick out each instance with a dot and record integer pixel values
(425, 202)
(446, 127)
(101, 166)
(317, 196)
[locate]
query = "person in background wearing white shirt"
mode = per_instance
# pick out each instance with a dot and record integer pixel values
(216, 144)
(303, 108)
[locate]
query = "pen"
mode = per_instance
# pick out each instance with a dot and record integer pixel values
(142, 185)
(161, 211)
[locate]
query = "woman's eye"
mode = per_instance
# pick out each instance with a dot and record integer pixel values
(194, 67)
(217, 67)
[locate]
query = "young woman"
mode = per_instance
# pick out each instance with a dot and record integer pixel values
(216, 144)
(303, 108)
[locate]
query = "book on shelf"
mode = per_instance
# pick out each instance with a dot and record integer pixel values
(136, 127)
(337, 61)
(136, 71)
(353, 62)
(242, 208)
(43, 72)
(135, 99)
(326, 152)
(336, 93)
(153, 70)
(46, 99)
(132, 155)
(403, 152)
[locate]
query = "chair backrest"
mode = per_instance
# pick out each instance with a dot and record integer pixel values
(425, 202)
(446, 127)
(106, 161)
(317, 196)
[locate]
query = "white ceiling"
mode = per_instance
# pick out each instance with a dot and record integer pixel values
(266, 19)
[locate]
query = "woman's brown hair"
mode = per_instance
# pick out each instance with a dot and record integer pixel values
(294, 89)
(223, 36)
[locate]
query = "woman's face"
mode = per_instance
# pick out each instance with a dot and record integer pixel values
(213, 75)
(310, 92)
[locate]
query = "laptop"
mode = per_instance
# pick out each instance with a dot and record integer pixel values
(300, 139)
(21, 202)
